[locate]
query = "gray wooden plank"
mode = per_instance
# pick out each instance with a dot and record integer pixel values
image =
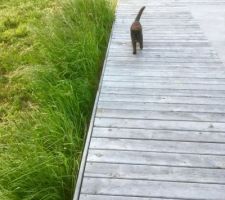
(127, 45)
(162, 85)
(165, 59)
(168, 135)
(157, 159)
(164, 53)
(158, 146)
(163, 39)
(168, 54)
(155, 14)
(159, 124)
(110, 197)
(164, 63)
(179, 80)
(157, 173)
(152, 52)
(180, 67)
(159, 22)
(145, 20)
(163, 92)
(160, 49)
(148, 49)
(199, 35)
(162, 27)
(163, 107)
(160, 115)
(161, 17)
(143, 56)
(164, 31)
(160, 40)
(162, 99)
(171, 36)
(153, 189)
(116, 44)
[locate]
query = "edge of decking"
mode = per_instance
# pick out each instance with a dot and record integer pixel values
(89, 133)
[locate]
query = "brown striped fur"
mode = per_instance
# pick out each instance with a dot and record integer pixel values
(136, 31)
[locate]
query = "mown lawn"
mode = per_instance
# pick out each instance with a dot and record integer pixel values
(51, 54)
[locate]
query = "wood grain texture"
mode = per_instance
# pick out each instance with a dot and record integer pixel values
(163, 107)
(110, 197)
(161, 99)
(162, 91)
(160, 115)
(157, 158)
(159, 124)
(163, 173)
(153, 189)
(162, 135)
(158, 146)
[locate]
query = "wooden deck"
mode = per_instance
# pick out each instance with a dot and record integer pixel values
(158, 125)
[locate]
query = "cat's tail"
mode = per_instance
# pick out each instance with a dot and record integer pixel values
(139, 14)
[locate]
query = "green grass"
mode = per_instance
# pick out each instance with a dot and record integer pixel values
(49, 72)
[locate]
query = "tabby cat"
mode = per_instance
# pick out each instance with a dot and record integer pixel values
(136, 31)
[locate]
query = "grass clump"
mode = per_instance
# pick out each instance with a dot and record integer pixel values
(47, 92)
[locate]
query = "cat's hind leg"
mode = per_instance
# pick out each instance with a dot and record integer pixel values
(133, 38)
(134, 46)
(141, 40)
